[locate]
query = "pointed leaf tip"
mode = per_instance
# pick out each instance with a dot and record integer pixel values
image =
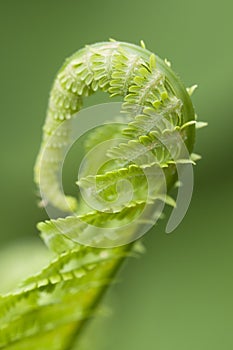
(143, 45)
(168, 63)
(191, 89)
(152, 61)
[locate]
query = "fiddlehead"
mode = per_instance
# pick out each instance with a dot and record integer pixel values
(160, 112)
(120, 69)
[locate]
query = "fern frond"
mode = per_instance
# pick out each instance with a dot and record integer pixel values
(61, 295)
(49, 309)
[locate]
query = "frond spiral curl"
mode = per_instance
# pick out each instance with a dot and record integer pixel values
(48, 310)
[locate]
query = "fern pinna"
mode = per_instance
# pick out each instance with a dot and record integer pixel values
(48, 310)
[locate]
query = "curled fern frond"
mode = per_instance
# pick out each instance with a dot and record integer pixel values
(48, 310)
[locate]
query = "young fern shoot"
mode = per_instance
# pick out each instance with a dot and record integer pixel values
(49, 309)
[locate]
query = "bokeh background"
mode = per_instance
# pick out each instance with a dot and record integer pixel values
(179, 295)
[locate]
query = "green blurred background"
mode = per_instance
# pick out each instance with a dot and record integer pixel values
(179, 295)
